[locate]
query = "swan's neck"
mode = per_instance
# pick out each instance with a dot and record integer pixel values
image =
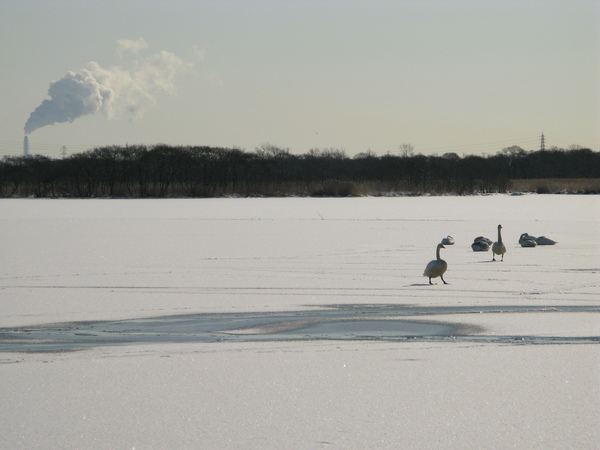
(499, 235)
(437, 253)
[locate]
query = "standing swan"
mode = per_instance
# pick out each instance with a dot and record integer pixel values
(437, 267)
(498, 247)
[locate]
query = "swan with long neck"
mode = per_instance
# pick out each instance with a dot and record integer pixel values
(542, 240)
(527, 241)
(437, 267)
(498, 247)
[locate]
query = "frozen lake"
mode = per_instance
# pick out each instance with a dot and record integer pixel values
(232, 288)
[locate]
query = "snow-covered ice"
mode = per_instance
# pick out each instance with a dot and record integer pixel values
(526, 376)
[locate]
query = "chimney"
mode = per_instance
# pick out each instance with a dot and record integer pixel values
(26, 147)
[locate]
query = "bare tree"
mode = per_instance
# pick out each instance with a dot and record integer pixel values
(406, 150)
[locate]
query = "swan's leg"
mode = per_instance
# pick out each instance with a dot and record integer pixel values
(443, 279)
(493, 257)
(430, 280)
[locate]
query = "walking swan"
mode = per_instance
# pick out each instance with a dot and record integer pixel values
(498, 247)
(437, 267)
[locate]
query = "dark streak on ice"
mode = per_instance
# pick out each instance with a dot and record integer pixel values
(356, 322)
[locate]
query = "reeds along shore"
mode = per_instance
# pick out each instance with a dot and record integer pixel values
(327, 188)
(557, 185)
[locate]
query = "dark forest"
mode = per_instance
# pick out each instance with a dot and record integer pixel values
(190, 171)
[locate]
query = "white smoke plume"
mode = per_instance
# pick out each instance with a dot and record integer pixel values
(114, 91)
(128, 45)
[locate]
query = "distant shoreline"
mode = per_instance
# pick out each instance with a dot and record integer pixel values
(163, 171)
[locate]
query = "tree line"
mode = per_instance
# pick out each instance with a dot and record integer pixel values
(194, 171)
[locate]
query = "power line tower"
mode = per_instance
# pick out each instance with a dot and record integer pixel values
(542, 143)
(63, 152)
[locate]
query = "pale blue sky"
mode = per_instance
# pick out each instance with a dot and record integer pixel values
(460, 76)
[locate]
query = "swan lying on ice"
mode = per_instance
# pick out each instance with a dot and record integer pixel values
(448, 240)
(437, 267)
(481, 244)
(527, 241)
(542, 240)
(498, 247)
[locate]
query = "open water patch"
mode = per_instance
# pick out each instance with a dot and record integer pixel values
(356, 322)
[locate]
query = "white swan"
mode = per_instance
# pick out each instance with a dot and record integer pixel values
(527, 241)
(498, 247)
(437, 267)
(448, 240)
(542, 240)
(481, 244)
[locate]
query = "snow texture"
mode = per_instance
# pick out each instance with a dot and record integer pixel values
(526, 375)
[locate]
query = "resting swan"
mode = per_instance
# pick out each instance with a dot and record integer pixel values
(437, 267)
(542, 240)
(527, 241)
(481, 244)
(448, 240)
(498, 247)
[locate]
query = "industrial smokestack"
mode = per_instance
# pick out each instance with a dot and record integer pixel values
(26, 147)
